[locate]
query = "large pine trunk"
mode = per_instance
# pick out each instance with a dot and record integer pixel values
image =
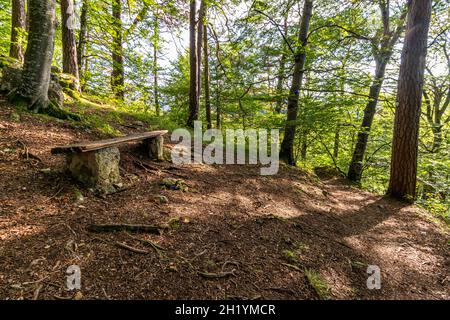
(287, 146)
(402, 184)
(33, 89)
(18, 25)
(69, 46)
(118, 71)
(193, 93)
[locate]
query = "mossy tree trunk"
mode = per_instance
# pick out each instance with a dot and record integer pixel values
(33, 89)
(18, 25)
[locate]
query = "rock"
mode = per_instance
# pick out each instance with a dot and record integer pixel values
(78, 296)
(55, 93)
(98, 169)
(10, 79)
(78, 197)
(173, 184)
(155, 147)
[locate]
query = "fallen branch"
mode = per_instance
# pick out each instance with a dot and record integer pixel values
(125, 227)
(129, 248)
(216, 275)
(152, 244)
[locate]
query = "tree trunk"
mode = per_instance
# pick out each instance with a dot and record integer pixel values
(207, 78)
(337, 139)
(18, 26)
(69, 45)
(82, 36)
(200, 22)
(155, 66)
(33, 89)
(356, 165)
(118, 73)
(402, 183)
(382, 52)
(287, 146)
(281, 71)
(193, 88)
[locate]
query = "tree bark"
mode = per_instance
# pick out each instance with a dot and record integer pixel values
(193, 88)
(18, 25)
(33, 89)
(69, 44)
(155, 66)
(118, 72)
(82, 36)
(281, 71)
(207, 77)
(402, 183)
(201, 17)
(382, 52)
(356, 164)
(287, 146)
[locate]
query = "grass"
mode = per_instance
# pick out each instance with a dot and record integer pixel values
(318, 283)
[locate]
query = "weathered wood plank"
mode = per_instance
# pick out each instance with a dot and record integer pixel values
(96, 145)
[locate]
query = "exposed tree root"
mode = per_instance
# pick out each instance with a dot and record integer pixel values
(141, 228)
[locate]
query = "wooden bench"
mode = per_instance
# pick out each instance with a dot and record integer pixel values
(96, 163)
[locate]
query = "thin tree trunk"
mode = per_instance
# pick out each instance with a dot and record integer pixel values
(337, 140)
(193, 93)
(69, 45)
(287, 146)
(38, 56)
(155, 66)
(82, 36)
(382, 51)
(356, 164)
(402, 183)
(118, 72)
(207, 77)
(18, 25)
(200, 22)
(281, 71)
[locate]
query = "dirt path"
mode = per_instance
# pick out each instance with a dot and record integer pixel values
(235, 234)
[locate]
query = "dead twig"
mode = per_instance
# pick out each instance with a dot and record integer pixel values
(152, 244)
(129, 248)
(216, 275)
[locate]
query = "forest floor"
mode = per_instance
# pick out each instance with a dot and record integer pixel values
(233, 233)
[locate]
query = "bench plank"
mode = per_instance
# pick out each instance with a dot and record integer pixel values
(96, 145)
